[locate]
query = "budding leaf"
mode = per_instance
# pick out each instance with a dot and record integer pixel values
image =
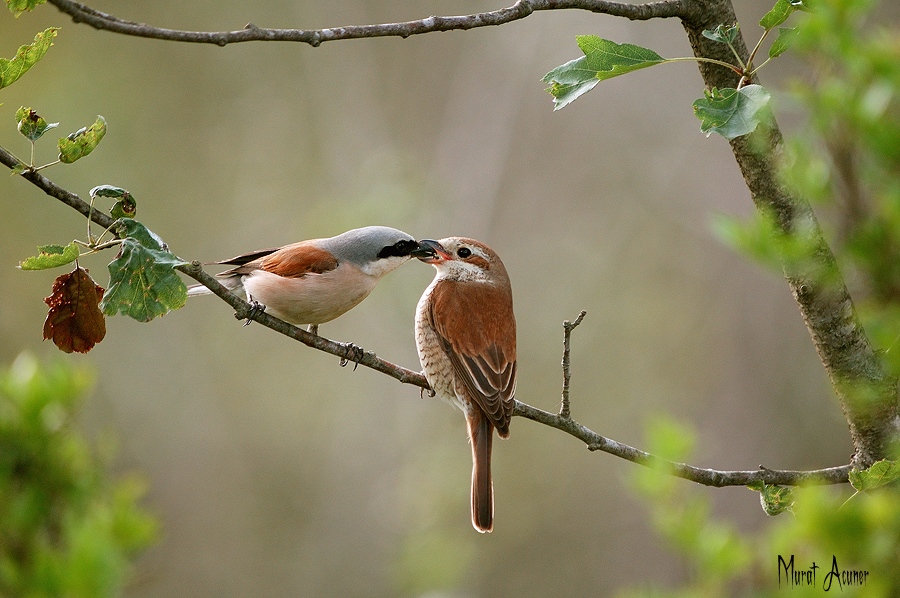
(74, 321)
(125, 207)
(879, 474)
(722, 33)
(26, 56)
(779, 13)
(82, 142)
(603, 59)
(31, 125)
(17, 7)
(142, 281)
(51, 256)
(774, 499)
(786, 36)
(732, 112)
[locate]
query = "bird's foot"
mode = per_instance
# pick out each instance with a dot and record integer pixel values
(255, 308)
(313, 329)
(355, 353)
(422, 391)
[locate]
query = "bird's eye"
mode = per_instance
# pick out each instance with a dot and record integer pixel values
(463, 252)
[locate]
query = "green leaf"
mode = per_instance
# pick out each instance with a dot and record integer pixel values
(140, 233)
(17, 7)
(732, 112)
(779, 13)
(51, 256)
(26, 57)
(82, 142)
(31, 125)
(603, 59)
(142, 281)
(126, 207)
(786, 36)
(774, 499)
(722, 33)
(879, 474)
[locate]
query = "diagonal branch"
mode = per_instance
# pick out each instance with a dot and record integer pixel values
(349, 352)
(82, 13)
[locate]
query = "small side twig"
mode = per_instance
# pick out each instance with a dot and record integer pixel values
(568, 327)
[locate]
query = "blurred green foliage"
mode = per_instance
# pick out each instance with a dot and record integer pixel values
(66, 529)
(847, 163)
(822, 528)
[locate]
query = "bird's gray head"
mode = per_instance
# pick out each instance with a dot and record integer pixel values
(376, 250)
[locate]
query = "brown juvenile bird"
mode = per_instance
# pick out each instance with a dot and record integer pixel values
(466, 338)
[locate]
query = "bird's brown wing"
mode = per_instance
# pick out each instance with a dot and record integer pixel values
(291, 261)
(477, 330)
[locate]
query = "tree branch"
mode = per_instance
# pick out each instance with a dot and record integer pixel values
(706, 477)
(866, 391)
(81, 13)
(349, 352)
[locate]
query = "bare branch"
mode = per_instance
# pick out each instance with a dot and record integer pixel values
(81, 13)
(706, 477)
(568, 327)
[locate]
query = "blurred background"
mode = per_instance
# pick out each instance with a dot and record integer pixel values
(277, 473)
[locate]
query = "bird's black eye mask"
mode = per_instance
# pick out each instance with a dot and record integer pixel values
(399, 249)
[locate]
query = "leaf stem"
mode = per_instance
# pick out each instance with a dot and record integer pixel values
(729, 66)
(737, 56)
(37, 168)
(765, 62)
(756, 49)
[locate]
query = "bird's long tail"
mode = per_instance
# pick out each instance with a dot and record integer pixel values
(481, 435)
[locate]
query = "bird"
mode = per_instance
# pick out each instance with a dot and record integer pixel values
(315, 281)
(466, 341)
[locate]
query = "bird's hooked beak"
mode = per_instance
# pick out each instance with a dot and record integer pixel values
(430, 251)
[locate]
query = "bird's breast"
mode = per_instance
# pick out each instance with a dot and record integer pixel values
(436, 364)
(310, 299)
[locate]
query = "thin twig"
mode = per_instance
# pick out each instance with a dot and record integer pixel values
(350, 352)
(82, 13)
(568, 327)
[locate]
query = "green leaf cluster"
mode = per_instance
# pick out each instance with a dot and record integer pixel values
(26, 57)
(682, 514)
(859, 534)
(71, 148)
(17, 7)
(143, 283)
(66, 529)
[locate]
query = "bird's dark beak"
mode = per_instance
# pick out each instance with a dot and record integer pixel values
(430, 251)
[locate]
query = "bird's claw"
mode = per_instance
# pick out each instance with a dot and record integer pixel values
(355, 354)
(422, 392)
(255, 308)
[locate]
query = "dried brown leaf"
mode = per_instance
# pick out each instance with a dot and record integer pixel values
(75, 322)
